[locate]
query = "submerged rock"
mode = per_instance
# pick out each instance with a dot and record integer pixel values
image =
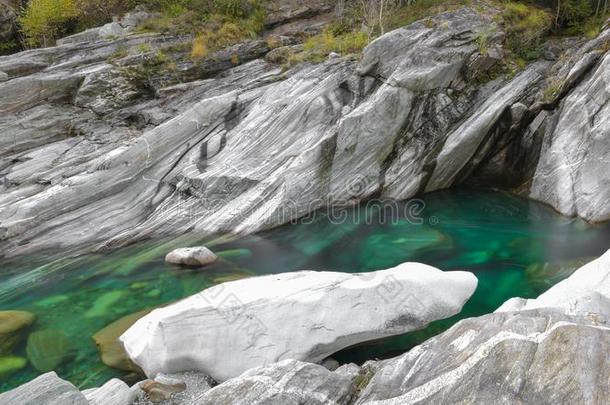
(11, 364)
(104, 302)
(304, 315)
(47, 349)
(289, 382)
(110, 348)
(191, 256)
(48, 389)
(586, 290)
(13, 325)
(549, 273)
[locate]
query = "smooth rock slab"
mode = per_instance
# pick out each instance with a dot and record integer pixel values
(288, 382)
(541, 356)
(572, 172)
(48, 389)
(191, 256)
(307, 315)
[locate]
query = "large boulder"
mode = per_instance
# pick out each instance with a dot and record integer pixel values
(540, 356)
(47, 389)
(304, 315)
(288, 382)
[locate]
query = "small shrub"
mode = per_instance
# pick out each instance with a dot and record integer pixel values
(235, 59)
(46, 20)
(120, 53)
(8, 47)
(152, 68)
(220, 32)
(552, 89)
(144, 48)
(200, 48)
(319, 46)
(482, 40)
(418, 10)
(525, 28)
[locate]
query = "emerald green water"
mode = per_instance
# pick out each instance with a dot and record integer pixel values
(503, 239)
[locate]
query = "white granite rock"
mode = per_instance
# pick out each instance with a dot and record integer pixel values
(304, 315)
(191, 256)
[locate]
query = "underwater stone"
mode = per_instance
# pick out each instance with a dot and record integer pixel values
(103, 303)
(587, 290)
(110, 348)
(10, 364)
(548, 273)
(306, 315)
(12, 327)
(47, 349)
(191, 256)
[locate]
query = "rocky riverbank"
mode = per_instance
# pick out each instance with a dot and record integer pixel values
(109, 140)
(114, 136)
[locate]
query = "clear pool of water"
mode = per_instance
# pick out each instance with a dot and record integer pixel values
(505, 240)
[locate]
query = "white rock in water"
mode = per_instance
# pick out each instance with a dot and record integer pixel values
(586, 290)
(307, 315)
(191, 256)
